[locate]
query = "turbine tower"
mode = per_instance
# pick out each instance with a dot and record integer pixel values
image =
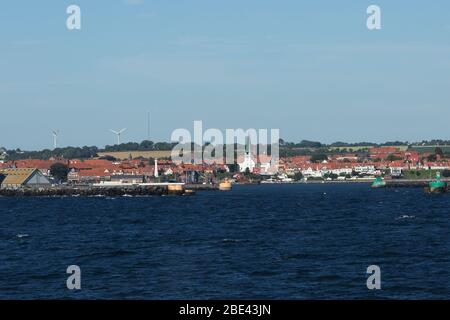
(118, 133)
(55, 134)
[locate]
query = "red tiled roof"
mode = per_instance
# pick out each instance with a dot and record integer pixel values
(94, 173)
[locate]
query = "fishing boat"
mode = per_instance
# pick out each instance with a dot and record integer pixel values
(379, 183)
(437, 186)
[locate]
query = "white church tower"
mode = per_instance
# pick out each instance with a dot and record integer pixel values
(248, 163)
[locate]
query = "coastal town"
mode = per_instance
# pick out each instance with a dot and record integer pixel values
(130, 168)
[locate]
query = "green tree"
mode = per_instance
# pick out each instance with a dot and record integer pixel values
(319, 157)
(108, 157)
(146, 145)
(446, 173)
(233, 167)
(438, 151)
(298, 176)
(59, 171)
(392, 157)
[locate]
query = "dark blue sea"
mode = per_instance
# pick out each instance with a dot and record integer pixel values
(255, 242)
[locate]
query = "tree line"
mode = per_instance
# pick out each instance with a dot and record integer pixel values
(86, 152)
(287, 149)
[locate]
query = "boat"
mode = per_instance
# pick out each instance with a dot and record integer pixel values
(225, 185)
(437, 186)
(379, 183)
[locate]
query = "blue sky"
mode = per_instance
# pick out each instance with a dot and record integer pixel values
(310, 68)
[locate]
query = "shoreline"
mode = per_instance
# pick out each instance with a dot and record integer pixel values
(189, 189)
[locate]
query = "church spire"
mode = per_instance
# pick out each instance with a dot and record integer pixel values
(247, 144)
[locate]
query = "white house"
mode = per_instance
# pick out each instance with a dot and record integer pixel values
(342, 171)
(268, 166)
(365, 169)
(310, 173)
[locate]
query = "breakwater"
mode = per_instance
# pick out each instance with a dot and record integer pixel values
(403, 183)
(407, 183)
(202, 187)
(92, 191)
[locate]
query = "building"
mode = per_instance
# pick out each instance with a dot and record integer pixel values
(311, 173)
(23, 177)
(128, 178)
(267, 165)
(365, 169)
(248, 162)
(89, 175)
(396, 172)
(342, 171)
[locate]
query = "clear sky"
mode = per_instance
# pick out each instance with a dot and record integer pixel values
(310, 68)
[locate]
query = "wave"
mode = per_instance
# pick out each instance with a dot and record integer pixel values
(405, 216)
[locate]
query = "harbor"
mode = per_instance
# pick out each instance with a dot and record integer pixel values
(152, 176)
(438, 185)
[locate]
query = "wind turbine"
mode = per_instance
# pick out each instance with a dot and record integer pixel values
(55, 134)
(118, 133)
